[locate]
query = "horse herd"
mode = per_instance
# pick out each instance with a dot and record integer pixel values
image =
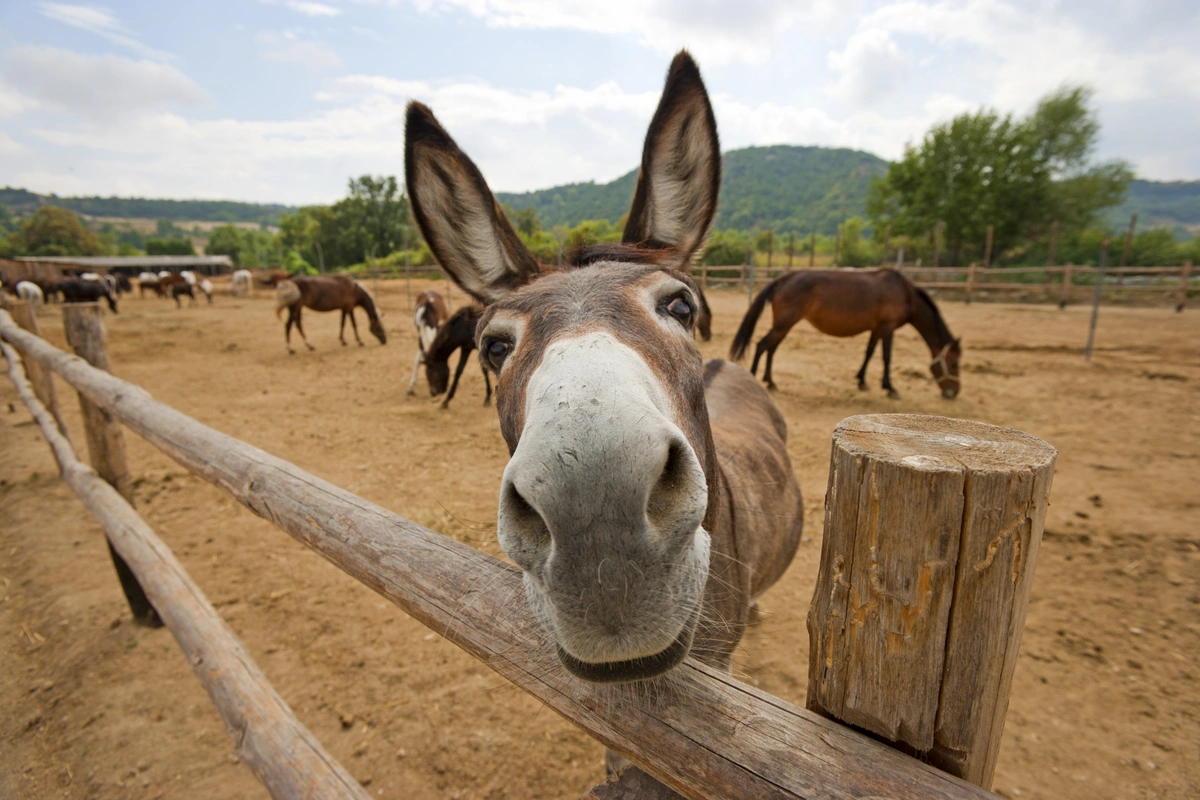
(90, 287)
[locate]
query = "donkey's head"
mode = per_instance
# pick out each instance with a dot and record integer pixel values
(606, 502)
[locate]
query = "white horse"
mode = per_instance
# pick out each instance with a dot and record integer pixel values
(90, 276)
(243, 283)
(189, 276)
(206, 287)
(31, 293)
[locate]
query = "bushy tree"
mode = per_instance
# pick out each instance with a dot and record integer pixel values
(169, 247)
(51, 231)
(725, 248)
(983, 169)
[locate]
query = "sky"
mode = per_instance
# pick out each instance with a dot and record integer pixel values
(285, 100)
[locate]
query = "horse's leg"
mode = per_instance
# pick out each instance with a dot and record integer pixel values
(342, 329)
(354, 325)
(287, 332)
(458, 371)
(299, 327)
(887, 367)
(412, 382)
(862, 373)
(487, 401)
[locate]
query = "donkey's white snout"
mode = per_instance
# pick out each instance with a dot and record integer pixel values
(602, 503)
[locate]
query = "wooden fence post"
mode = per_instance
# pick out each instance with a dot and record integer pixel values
(40, 377)
(1125, 250)
(932, 529)
(106, 441)
(812, 250)
(1183, 285)
(987, 250)
(1050, 255)
(791, 248)
(937, 244)
(970, 281)
(1065, 295)
(1087, 353)
(704, 278)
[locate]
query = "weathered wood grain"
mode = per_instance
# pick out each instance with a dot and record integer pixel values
(932, 529)
(41, 378)
(700, 732)
(106, 442)
(277, 748)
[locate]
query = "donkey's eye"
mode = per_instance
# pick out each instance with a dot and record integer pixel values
(680, 308)
(496, 351)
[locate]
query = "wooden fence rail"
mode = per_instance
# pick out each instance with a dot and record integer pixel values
(701, 732)
(972, 279)
(277, 748)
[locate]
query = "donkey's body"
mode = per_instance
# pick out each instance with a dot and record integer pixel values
(430, 315)
(649, 498)
(326, 293)
(847, 303)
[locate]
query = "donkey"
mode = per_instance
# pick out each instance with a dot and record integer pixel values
(326, 293)
(649, 499)
(457, 334)
(430, 316)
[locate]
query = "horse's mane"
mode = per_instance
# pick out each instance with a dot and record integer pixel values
(939, 324)
(364, 298)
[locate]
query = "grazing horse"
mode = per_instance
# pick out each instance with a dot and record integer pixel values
(649, 499)
(429, 318)
(123, 283)
(457, 334)
(242, 283)
(148, 280)
(178, 290)
(847, 303)
(31, 293)
(326, 293)
(79, 290)
(206, 286)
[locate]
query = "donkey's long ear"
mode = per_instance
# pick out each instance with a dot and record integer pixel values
(458, 214)
(680, 177)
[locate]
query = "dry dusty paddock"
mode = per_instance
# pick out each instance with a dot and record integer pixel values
(1104, 703)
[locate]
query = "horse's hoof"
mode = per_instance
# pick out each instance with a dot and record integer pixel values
(291, 352)
(893, 394)
(771, 386)
(862, 386)
(487, 403)
(343, 344)
(411, 393)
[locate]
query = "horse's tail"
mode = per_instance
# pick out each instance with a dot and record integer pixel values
(286, 293)
(742, 339)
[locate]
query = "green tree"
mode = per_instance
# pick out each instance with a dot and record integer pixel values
(226, 240)
(983, 169)
(169, 247)
(725, 248)
(54, 231)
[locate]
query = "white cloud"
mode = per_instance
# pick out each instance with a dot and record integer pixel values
(716, 31)
(101, 22)
(313, 9)
(10, 146)
(99, 87)
(310, 55)
(871, 67)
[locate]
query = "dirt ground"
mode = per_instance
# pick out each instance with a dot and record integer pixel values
(1105, 702)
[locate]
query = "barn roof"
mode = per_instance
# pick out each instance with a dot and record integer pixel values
(145, 262)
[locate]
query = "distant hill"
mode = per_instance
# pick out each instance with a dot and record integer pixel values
(784, 187)
(22, 202)
(1175, 204)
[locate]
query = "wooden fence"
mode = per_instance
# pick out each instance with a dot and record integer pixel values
(701, 732)
(1172, 283)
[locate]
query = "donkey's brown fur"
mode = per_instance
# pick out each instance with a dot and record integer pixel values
(326, 293)
(717, 479)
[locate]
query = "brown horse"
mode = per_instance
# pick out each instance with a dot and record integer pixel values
(649, 499)
(847, 303)
(326, 293)
(430, 316)
(457, 334)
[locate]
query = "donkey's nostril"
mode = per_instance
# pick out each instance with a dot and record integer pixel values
(673, 489)
(522, 518)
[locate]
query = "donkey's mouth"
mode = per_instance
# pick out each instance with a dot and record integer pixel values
(634, 669)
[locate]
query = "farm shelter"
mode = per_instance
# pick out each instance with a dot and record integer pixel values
(132, 265)
(339, 658)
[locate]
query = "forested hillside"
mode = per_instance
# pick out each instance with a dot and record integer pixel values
(1175, 204)
(790, 189)
(22, 203)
